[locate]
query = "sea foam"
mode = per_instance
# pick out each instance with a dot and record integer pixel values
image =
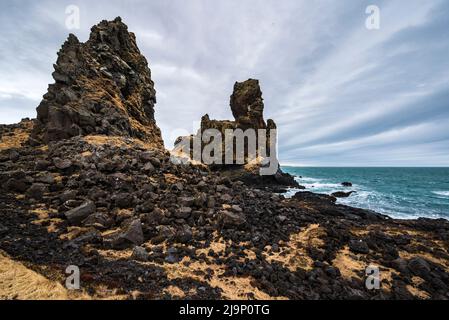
(441, 193)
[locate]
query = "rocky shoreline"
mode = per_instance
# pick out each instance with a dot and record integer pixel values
(107, 197)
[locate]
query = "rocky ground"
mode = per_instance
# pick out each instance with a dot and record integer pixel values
(140, 227)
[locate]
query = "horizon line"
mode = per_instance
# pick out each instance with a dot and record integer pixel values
(356, 166)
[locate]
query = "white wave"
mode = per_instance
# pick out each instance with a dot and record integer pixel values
(308, 179)
(319, 185)
(441, 193)
(390, 205)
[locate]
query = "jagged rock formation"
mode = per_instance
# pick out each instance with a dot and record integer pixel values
(247, 104)
(102, 86)
(247, 108)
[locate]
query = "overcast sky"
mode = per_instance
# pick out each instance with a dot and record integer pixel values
(342, 95)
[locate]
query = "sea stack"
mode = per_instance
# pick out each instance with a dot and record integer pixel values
(102, 86)
(247, 107)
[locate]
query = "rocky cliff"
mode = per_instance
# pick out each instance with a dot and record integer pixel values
(102, 86)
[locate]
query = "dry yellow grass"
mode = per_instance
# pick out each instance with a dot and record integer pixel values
(233, 287)
(19, 282)
(296, 255)
(348, 264)
(99, 140)
(15, 140)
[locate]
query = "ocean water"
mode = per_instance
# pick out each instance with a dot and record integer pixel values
(403, 193)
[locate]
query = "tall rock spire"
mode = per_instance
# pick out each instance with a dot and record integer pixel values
(102, 86)
(247, 104)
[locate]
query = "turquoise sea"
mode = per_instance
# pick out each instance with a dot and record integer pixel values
(407, 193)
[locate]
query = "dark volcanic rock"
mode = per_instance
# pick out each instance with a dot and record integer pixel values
(134, 233)
(62, 163)
(358, 246)
(78, 214)
(16, 180)
(310, 196)
(37, 190)
(247, 104)
(418, 266)
(232, 219)
(346, 184)
(102, 86)
(140, 254)
(341, 194)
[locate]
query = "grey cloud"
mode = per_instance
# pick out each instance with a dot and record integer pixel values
(341, 94)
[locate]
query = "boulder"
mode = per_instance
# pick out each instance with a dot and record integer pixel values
(37, 191)
(186, 201)
(231, 219)
(183, 212)
(314, 197)
(15, 180)
(78, 214)
(62, 164)
(358, 246)
(140, 254)
(148, 167)
(123, 200)
(134, 233)
(420, 267)
(164, 233)
(154, 217)
(341, 194)
(184, 235)
(99, 221)
(41, 165)
(46, 178)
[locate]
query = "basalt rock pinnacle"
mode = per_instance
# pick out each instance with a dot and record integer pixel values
(247, 108)
(247, 104)
(102, 86)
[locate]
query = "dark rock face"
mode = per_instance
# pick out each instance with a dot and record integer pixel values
(247, 108)
(247, 104)
(102, 86)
